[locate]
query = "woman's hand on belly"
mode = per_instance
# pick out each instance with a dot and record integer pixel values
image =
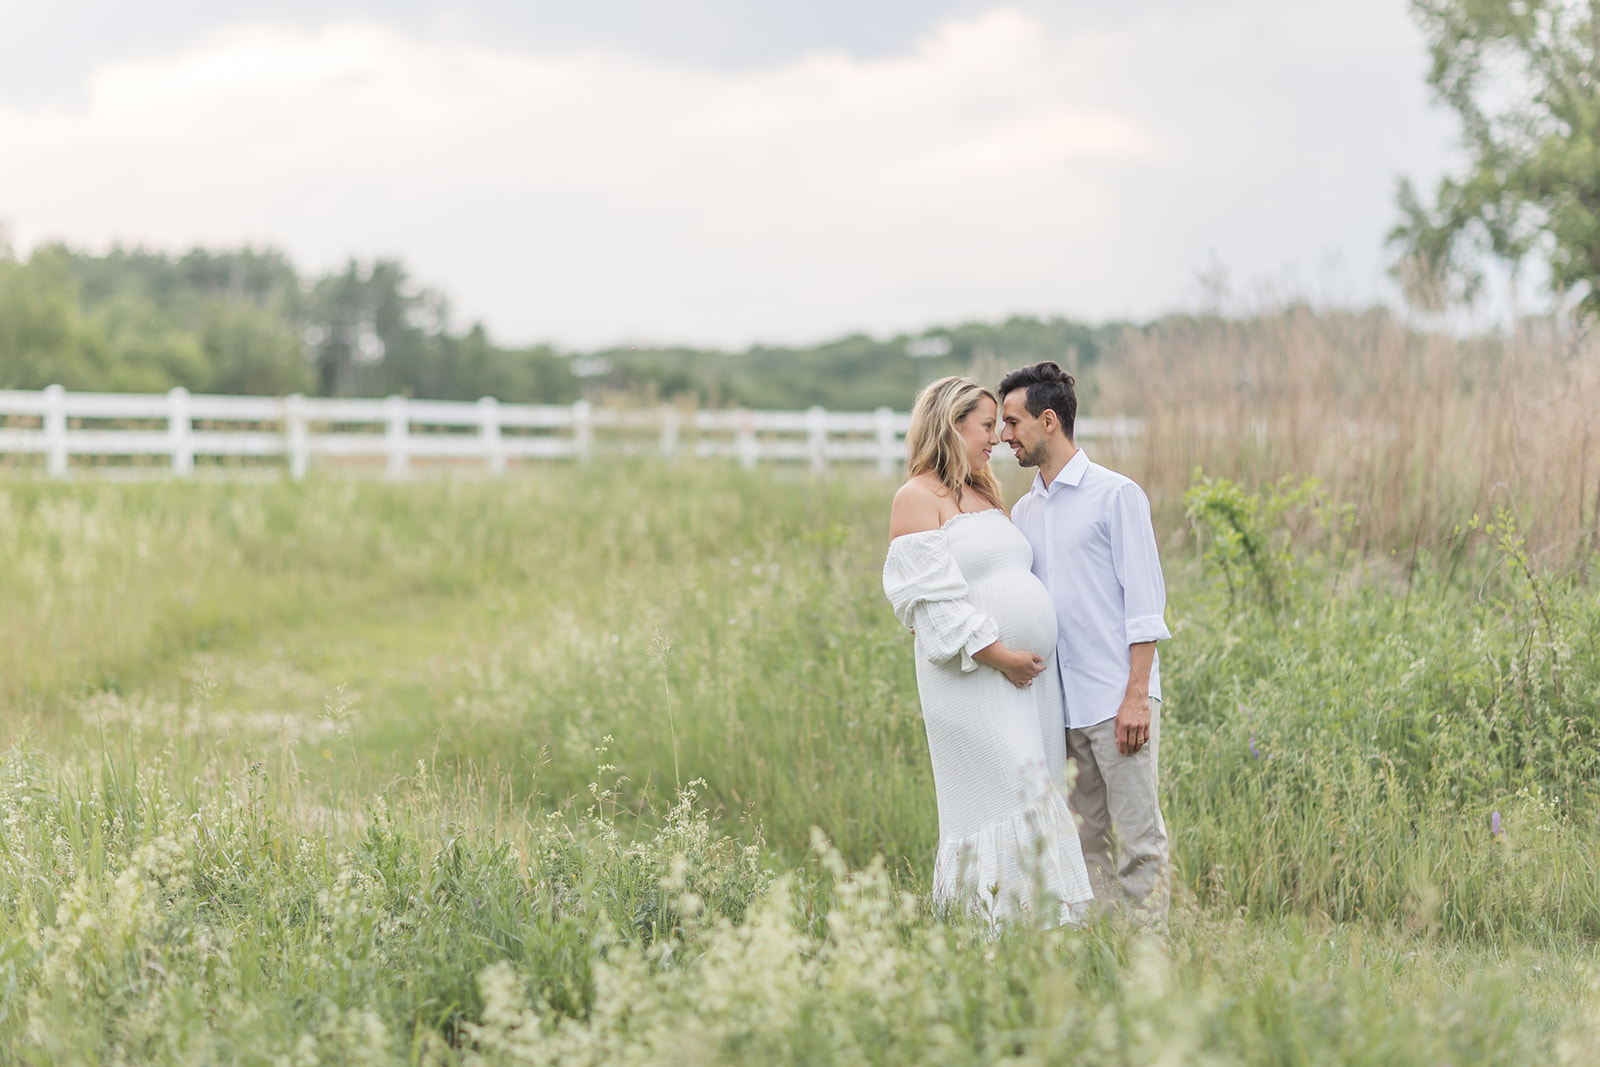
(1019, 667)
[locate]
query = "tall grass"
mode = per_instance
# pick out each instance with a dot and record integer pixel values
(224, 922)
(219, 844)
(1416, 430)
(510, 626)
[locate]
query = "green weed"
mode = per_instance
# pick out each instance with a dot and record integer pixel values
(309, 774)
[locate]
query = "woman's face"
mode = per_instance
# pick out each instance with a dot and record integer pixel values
(977, 430)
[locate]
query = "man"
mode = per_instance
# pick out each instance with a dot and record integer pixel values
(1095, 550)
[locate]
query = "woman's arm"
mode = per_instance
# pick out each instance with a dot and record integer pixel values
(1018, 666)
(955, 625)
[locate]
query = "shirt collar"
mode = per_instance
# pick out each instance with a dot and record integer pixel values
(1072, 474)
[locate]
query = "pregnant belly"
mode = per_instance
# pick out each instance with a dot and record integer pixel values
(1021, 607)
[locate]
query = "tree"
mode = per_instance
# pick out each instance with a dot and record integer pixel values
(374, 333)
(43, 337)
(253, 350)
(1523, 77)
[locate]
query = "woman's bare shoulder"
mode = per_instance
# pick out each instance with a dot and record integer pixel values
(925, 484)
(918, 506)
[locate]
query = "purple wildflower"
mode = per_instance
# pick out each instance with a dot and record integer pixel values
(1255, 753)
(1495, 832)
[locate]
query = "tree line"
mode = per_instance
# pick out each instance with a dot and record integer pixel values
(246, 321)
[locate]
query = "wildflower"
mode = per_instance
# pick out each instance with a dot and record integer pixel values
(1495, 831)
(1255, 753)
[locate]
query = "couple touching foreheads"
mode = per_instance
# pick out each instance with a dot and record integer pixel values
(1035, 650)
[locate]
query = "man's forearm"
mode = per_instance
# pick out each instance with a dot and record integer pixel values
(1141, 657)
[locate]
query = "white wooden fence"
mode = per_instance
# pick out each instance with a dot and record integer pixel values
(180, 427)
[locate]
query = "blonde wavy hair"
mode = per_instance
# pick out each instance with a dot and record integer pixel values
(934, 443)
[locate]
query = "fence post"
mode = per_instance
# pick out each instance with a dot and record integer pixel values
(888, 454)
(669, 431)
(180, 443)
(489, 433)
(582, 431)
(817, 438)
(55, 431)
(745, 443)
(294, 432)
(397, 427)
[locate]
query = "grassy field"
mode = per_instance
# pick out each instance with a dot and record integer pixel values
(626, 766)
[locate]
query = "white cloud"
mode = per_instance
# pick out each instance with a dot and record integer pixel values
(598, 195)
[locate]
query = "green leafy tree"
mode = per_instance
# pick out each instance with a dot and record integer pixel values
(373, 333)
(44, 338)
(147, 352)
(1523, 77)
(253, 350)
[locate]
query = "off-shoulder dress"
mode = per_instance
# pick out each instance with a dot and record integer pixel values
(1007, 841)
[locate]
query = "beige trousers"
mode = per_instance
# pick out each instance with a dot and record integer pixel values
(1115, 799)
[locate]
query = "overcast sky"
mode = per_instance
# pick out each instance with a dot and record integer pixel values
(718, 171)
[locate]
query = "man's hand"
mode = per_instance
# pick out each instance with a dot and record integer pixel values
(1133, 717)
(1133, 724)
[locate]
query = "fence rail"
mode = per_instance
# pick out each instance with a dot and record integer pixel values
(181, 427)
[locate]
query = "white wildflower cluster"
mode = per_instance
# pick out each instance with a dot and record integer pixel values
(96, 924)
(353, 1036)
(697, 868)
(758, 989)
(355, 926)
(881, 981)
(14, 814)
(124, 947)
(746, 990)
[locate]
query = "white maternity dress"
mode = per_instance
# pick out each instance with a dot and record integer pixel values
(1007, 841)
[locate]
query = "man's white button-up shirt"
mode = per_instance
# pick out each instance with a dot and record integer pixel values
(1094, 548)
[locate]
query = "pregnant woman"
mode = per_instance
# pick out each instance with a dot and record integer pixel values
(958, 575)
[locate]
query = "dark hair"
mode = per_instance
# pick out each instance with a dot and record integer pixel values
(1048, 386)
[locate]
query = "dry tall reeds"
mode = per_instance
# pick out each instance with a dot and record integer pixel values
(1417, 431)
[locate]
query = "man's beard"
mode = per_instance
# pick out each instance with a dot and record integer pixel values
(1033, 457)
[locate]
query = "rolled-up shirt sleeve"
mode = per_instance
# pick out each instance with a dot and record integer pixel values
(928, 593)
(1138, 566)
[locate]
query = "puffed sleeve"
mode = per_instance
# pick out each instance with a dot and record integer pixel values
(929, 595)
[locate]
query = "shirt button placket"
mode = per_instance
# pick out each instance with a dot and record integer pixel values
(1049, 541)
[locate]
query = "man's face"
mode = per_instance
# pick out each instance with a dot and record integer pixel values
(1023, 432)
